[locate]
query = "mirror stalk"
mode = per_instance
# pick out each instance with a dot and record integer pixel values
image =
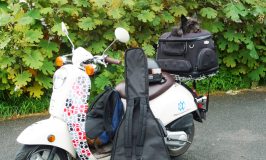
(109, 46)
(73, 47)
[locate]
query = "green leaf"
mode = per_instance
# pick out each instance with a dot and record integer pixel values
(57, 29)
(257, 73)
(101, 82)
(229, 35)
(4, 7)
(157, 7)
(97, 47)
(146, 16)
(26, 20)
(82, 3)
(70, 10)
(34, 13)
(33, 59)
(116, 13)
(22, 79)
(208, 12)
(60, 2)
(215, 27)
(156, 21)
(109, 35)
(47, 10)
(44, 80)
(148, 50)
(35, 90)
(233, 11)
(6, 61)
(250, 44)
(242, 69)
(129, 3)
(232, 47)
(192, 5)
(15, 7)
(3, 76)
(167, 17)
(33, 35)
(233, 35)
(250, 1)
(263, 59)
(178, 11)
(47, 67)
(229, 61)
(145, 34)
(245, 58)
(4, 40)
(259, 10)
(100, 3)
(253, 53)
(49, 47)
(4, 19)
(86, 23)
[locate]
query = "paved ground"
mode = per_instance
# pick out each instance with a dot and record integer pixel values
(235, 130)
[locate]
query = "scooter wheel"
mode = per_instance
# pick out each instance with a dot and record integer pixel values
(30, 152)
(175, 152)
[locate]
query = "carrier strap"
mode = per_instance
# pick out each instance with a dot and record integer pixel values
(141, 129)
(128, 127)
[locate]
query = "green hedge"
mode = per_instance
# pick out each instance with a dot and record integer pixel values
(31, 35)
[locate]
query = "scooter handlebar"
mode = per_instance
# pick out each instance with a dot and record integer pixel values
(112, 60)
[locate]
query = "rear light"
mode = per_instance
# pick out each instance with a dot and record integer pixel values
(51, 138)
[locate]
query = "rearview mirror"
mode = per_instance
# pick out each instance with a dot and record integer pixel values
(122, 35)
(64, 29)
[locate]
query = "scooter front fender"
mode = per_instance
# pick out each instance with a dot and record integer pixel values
(37, 134)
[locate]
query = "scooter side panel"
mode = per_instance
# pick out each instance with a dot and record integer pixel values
(176, 102)
(37, 134)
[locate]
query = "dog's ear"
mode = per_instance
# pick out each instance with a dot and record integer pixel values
(183, 19)
(195, 16)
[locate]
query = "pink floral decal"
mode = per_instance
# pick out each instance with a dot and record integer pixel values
(75, 116)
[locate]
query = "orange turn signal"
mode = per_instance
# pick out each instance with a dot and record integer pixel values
(51, 138)
(59, 61)
(89, 69)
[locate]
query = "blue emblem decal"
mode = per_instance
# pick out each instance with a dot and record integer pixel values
(181, 106)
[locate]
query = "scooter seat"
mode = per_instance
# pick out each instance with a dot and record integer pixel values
(154, 89)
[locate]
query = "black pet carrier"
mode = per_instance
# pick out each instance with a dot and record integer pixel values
(191, 55)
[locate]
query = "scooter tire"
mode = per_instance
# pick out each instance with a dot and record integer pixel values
(27, 151)
(174, 153)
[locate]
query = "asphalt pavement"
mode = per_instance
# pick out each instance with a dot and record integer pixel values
(235, 129)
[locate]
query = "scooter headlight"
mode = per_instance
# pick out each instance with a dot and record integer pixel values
(59, 78)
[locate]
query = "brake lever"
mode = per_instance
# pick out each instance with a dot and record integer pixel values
(102, 63)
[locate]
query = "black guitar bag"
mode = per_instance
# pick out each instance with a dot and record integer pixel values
(139, 136)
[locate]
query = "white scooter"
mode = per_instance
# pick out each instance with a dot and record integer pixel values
(56, 138)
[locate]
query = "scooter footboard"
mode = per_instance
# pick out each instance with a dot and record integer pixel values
(38, 133)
